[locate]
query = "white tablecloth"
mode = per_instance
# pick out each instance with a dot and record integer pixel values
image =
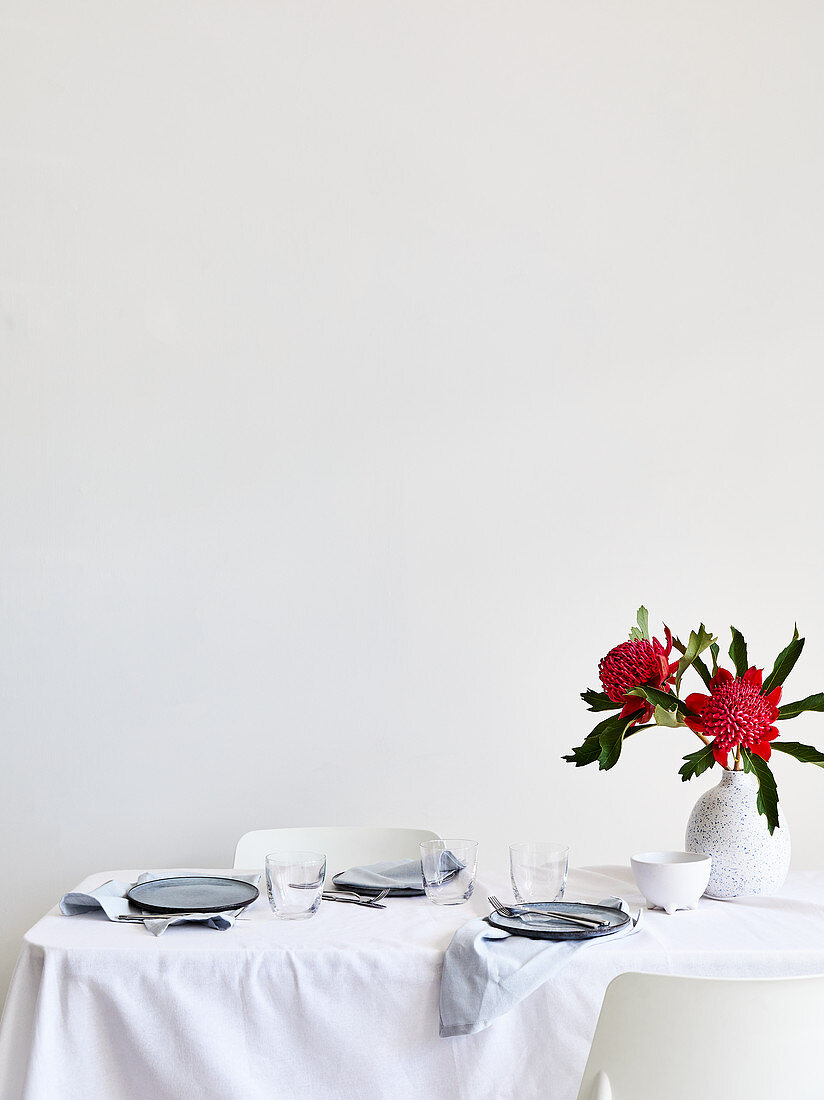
(346, 1004)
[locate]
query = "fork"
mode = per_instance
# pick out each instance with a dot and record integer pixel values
(511, 911)
(369, 900)
(352, 901)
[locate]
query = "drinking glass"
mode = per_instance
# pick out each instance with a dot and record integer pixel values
(294, 883)
(448, 868)
(538, 870)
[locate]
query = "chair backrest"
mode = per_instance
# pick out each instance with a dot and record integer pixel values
(344, 846)
(666, 1038)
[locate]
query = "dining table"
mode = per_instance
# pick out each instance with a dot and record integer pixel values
(346, 1004)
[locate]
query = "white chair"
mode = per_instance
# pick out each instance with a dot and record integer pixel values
(344, 847)
(665, 1038)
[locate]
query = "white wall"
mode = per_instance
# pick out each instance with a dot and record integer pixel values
(364, 366)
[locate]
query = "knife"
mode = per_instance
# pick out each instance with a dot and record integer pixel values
(352, 901)
(129, 919)
(549, 914)
(136, 918)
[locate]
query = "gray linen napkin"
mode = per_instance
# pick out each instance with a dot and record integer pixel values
(486, 971)
(111, 899)
(391, 874)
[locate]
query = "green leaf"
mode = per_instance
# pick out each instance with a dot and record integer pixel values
(714, 651)
(585, 754)
(642, 630)
(698, 641)
(590, 750)
(642, 618)
(695, 763)
(784, 663)
(738, 652)
(703, 672)
(630, 731)
(599, 700)
(606, 724)
(792, 710)
(805, 753)
(612, 741)
(658, 698)
(611, 744)
(604, 743)
(667, 718)
(767, 800)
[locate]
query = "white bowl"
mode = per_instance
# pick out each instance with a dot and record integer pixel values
(672, 880)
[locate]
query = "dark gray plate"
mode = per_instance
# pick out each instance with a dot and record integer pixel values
(550, 929)
(192, 894)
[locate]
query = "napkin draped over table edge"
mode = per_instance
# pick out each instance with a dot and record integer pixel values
(487, 971)
(110, 898)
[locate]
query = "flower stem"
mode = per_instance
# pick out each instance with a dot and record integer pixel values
(738, 758)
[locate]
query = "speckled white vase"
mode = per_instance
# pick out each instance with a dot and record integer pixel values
(725, 824)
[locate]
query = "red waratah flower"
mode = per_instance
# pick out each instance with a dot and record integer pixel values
(736, 713)
(637, 663)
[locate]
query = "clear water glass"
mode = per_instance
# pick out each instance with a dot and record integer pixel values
(449, 868)
(538, 870)
(294, 883)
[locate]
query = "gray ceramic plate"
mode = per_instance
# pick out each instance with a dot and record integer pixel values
(549, 929)
(192, 894)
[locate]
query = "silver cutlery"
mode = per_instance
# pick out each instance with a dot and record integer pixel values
(352, 901)
(137, 918)
(379, 896)
(134, 919)
(370, 901)
(523, 913)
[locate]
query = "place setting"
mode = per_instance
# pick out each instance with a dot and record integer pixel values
(538, 873)
(495, 962)
(541, 920)
(444, 873)
(157, 900)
